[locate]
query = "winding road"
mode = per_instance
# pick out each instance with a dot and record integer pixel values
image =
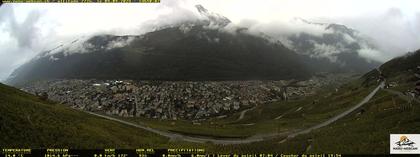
(243, 114)
(341, 115)
(255, 138)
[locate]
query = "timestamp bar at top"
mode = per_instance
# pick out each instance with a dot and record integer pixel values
(81, 1)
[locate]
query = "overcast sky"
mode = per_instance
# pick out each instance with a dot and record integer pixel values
(27, 29)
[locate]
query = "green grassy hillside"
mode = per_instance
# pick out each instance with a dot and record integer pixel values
(272, 117)
(400, 65)
(366, 133)
(27, 121)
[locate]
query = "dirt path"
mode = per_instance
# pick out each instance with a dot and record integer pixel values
(243, 113)
(401, 95)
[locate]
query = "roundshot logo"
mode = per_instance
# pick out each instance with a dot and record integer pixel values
(404, 143)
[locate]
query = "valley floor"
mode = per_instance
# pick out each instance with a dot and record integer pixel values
(332, 121)
(256, 138)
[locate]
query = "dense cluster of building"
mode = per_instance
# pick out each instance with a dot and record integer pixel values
(169, 99)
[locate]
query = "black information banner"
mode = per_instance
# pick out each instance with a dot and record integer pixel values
(148, 153)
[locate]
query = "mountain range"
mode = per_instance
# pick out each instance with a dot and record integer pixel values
(199, 49)
(337, 50)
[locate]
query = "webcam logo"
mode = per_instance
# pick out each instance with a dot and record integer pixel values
(404, 143)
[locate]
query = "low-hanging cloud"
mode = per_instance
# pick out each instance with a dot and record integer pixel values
(393, 31)
(281, 31)
(384, 35)
(25, 32)
(18, 39)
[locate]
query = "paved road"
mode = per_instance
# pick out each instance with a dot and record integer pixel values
(175, 136)
(255, 138)
(341, 115)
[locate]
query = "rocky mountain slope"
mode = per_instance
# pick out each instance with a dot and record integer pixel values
(199, 49)
(338, 49)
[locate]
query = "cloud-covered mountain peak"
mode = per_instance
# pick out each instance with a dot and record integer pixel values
(213, 18)
(342, 29)
(334, 44)
(302, 20)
